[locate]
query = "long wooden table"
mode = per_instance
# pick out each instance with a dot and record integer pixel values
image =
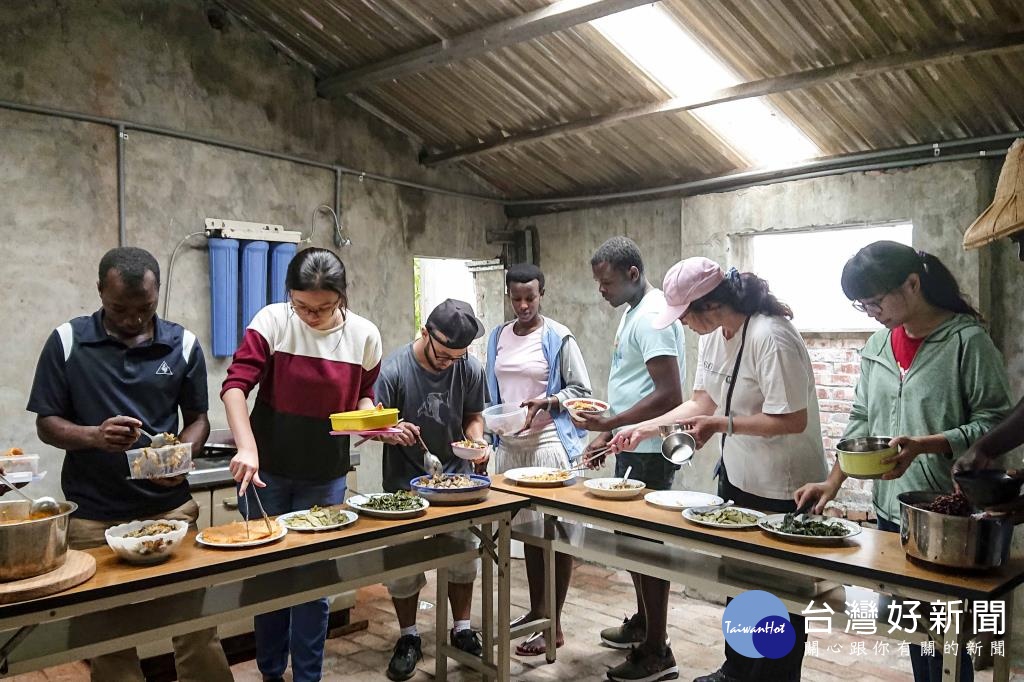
(123, 605)
(700, 556)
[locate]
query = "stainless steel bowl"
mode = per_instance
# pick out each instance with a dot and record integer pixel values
(677, 446)
(953, 541)
(31, 548)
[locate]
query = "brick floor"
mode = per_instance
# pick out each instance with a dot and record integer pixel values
(599, 597)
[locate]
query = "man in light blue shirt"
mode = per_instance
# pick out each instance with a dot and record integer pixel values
(645, 381)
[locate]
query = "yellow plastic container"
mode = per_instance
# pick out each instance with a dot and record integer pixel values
(862, 457)
(364, 420)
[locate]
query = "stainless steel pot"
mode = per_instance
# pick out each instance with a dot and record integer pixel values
(31, 548)
(953, 541)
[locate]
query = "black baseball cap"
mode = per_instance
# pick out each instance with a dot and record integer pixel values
(457, 321)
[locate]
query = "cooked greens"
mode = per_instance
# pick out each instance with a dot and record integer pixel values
(726, 517)
(317, 517)
(815, 528)
(403, 500)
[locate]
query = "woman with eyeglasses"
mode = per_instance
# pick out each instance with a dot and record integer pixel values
(931, 379)
(311, 357)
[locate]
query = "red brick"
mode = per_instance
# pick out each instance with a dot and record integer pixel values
(823, 393)
(820, 366)
(844, 379)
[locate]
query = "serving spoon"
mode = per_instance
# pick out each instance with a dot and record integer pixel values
(41, 505)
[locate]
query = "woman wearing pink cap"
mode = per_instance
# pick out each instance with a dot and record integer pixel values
(754, 388)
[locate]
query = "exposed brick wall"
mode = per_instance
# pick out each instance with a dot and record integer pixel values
(835, 359)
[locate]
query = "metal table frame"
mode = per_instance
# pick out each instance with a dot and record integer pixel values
(86, 623)
(697, 562)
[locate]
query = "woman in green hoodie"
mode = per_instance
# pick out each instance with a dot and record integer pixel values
(932, 379)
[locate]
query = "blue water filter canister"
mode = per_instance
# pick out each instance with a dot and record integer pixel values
(224, 295)
(281, 255)
(254, 279)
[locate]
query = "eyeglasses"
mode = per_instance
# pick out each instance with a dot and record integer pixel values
(440, 357)
(306, 311)
(871, 306)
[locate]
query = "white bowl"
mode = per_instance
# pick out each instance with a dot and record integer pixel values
(601, 487)
(151, 549)
(463, 452)
(572, 406)
(505, 419)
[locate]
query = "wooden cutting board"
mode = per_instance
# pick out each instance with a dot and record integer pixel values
(77, 568)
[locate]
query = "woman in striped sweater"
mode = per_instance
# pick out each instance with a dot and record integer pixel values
(310, 357)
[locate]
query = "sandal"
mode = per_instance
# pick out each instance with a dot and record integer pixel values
(536, 646)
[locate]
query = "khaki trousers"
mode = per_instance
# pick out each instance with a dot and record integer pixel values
(198, 656)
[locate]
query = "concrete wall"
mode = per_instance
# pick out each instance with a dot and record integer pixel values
(161, 63)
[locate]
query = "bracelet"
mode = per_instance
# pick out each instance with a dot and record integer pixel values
(728, 430)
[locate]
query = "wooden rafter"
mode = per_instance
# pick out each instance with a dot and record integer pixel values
(556, 17)
(759, 88)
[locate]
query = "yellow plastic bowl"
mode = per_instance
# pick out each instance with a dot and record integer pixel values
(364, 420)
(862, 457)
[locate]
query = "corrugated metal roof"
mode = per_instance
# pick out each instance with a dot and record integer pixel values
(576, 73)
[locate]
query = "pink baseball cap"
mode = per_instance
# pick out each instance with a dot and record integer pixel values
(685, 282)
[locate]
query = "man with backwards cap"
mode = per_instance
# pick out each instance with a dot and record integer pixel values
(439, 390)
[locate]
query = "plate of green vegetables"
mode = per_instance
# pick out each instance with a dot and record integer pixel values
(317, 519)
(400, 505)
(808, 530)
(728, 518)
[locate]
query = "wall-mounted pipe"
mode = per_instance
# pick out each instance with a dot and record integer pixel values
(122, 228)
(224, 144)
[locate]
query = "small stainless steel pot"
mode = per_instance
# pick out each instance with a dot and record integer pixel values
(953, 541)
(677, 446)
(31, 548)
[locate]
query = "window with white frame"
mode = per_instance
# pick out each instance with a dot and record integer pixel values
(804, 267)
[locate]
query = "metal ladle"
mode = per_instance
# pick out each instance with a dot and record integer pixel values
(677, 446)
(42, 505)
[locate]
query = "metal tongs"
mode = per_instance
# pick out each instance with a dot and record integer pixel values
(582, 464)
(801, 512)
(266, 518)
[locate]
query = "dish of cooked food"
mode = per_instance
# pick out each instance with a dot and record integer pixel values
(235, 533)
(470, 444)
(316, 517)
(549, 476)
(403, 500)
(157, 528)
(447, 481)
(621, 485)
(954, 504)
(813, 528)
(584, 405)
(729, 516)
(169, 460)
(169, 438)
(14, 452)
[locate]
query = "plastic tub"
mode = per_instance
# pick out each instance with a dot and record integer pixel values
(505, 419)
(364, 420)
(165, 462)
(13, 464)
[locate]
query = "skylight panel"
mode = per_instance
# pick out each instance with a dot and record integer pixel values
(659, 45)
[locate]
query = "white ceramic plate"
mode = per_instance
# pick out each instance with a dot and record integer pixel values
(242, 545)
(766, 524)
(677, 500)
(690, 514)
(601, 487)
(522, 476)
(358, 502)
(349, 519)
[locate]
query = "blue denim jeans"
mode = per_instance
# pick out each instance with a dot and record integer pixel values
(929, 668)
(301, 629)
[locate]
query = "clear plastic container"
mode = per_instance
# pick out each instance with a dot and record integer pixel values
(170, 460)
(505, 419)
(13, 464)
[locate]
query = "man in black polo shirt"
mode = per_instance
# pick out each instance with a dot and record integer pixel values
(101, 378)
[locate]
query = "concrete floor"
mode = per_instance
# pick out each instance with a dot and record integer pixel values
(599, 597)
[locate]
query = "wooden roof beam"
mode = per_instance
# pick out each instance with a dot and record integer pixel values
(556, 17)
(759, 88)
